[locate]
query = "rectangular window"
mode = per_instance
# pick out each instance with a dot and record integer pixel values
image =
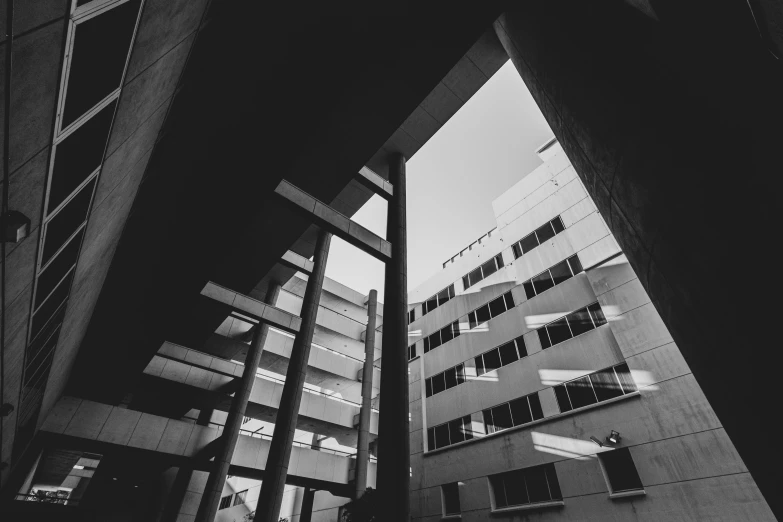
(492, 360)
(483, 271)
(456, 433)
(451, 377)
(545, 233)
(528, 243)
(240, 497)
(596, 387)
(540, 235)
(438, 383)
(597, 314)
(225, 502)
(525, 486)
(559, 331)
(575, 323)
(517, 249)
(480, 365)
(497, 306)
(482, 314)
(521, 348)
(581, 392)
(411, 351)
(508, 353)
(426, 343)
(501, 418)
(446, 334)
(450, 494)
(542, 282)
(620, 470)
(428, 387)
(520, 411)
(434, 340)
(411, 315)
(442, 436)
(561, 272)
(460, 369)
(439, 299)
(431, 439)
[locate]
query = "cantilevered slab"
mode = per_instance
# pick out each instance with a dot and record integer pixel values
(253, 308)
(297, 262)
(374, 182)
(329, 219)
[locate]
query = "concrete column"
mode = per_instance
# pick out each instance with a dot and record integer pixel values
(306, 513)
(273, 485)
(393, 436)
(363, 444)
(208, 507)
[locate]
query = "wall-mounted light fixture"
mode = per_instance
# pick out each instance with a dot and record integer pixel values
(614, 437)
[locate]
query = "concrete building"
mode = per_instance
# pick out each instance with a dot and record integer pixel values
(544, 384)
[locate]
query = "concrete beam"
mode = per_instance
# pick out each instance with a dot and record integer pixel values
(264, 313)
(297, 262)
(332, 221)
(374, 182)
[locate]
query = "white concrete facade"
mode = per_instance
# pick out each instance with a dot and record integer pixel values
(688, 467)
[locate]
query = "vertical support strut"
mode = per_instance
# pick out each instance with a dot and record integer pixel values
(363, 444)
(393, 435)
(208, 507)
(273, 485)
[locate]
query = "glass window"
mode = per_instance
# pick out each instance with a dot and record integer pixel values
(499, 261)
(446, 334)
(480, 366)
(451, 377)
(460, 369)
(488, 421)
(501, 417)
(529, 290)
(508, 353)
(434, 340)
(240, 497)
(467, 427)
(598, 314)
(451, 499)
(411, 315)
(438, 383)
(620, 470)
(545, 232)
(497, 306)
(580, 322)
(543, 336)
(516, 491)
(472, 321)
(557, 224)
(542, 282)
(455, 328)
(63, 225)
(465, 281)
(492, 360)
(442, 435)
(551, 479)
(520, 411)
(509, 299)
(606, 385)
(562, 399)
(475, 276)
(521, 348)
(489, 268)
(581, 392)
(426, 344)
(535, 406)
(626, 379)
(443, 296)
(428, 387)
(517, 250)
(431, 304)
(498, 491)
(576, 265)
(482, 314)
(537, 487)
(451, 291)
(225, 502)
(526, 486)
(528, 243)
(455, 431)
(559, 331)
(431, 439)
(560, 272)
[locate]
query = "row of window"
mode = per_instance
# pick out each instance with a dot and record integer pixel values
(576, 323)
(539, 484)
(478, 316)
(482, 272)
(438, 299)
(537, 237)
(239, 498)
(492, 360)
(586, 390)
(553, 276)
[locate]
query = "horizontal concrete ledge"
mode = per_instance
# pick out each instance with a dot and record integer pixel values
(528, 507)
(297, 262)
(626, 494)
(338, 224)
(256, 309)
(374, 182)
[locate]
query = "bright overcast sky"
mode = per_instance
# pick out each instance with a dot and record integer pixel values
(483, 150)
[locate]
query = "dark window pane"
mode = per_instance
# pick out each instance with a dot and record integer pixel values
(516, 492)
(499, 491)
(489, 268)
(443, 296)
(78, 155)
(492, 360)
(54, 273)
(411, 316)
(460, 369)
(451, 499)
(438, 383)
(557, 224)
(99, 53)
(455, 430)
(48, 309)
(606, 385)
(472, 321)
(497, 306)
(562, 399)
(580, 322)
(426, 344)
(467, 427)
(537, 486)
(482, 314)
(529, 290)
(554, 484)
(508, 353)
(576, 265)
(455, 328)
(581, 392)
(434, 340)
(542, 282)
(451, 377)
(626, 379)
(545, 233)
(621, 470)
(465, 282)
(499, 261)
(535, 406)
(412, 351)
(451, 291)
(475, 276)
(67, 220)
(442, 435)
(559, 331)
(446, 334)
(560, 272)
(543, 336)
(431, 303)
(480, 366)
(509, 299)
(490, 426)
(520, 411)
(431, 439)
(517, 250)
(428, 387)
(528, 243)
(501, 417)
(598, 314)
(521, 348)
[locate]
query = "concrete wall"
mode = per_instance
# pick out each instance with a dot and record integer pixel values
(688, 466)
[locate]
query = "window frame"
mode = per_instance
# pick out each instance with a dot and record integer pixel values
(519, 477)
(444, 503)
(619, 493)
(517, 248)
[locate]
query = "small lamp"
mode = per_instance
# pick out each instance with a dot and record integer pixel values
(613, 438)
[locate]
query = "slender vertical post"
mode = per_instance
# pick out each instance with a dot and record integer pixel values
(208, 507)
(393, 436)
(273, 485)
(363, 444)
(306, 513)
